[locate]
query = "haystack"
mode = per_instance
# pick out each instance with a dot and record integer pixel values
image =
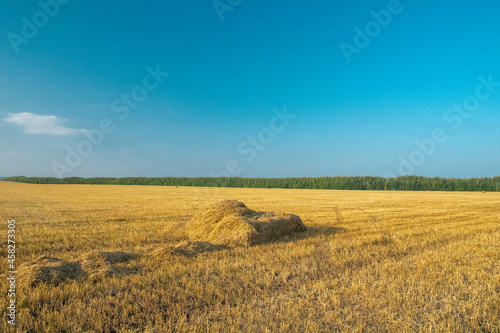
(50, 270)
(232, 223)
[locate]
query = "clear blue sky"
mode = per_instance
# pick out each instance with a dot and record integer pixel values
(65, 71)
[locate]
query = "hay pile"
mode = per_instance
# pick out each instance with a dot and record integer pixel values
(232, 223)
(223, 223)
(92, 265)
(51, 271)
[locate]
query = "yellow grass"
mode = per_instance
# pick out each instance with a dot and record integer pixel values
(370, 261)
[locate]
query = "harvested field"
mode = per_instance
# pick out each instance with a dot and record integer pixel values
(368, 262)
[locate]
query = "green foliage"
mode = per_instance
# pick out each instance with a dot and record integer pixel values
(403, 183)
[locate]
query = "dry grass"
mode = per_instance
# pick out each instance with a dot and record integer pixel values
(54, 271)
(369, 261)
(99, 264)
(187, 248)
(232, 223)
(49, 270)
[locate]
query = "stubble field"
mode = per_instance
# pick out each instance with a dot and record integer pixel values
(370, 261)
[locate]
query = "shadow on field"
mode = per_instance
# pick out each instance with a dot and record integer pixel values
(311, 232)
(188, 249)
(193, 248)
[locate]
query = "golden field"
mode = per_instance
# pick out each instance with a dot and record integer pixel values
(370, 261)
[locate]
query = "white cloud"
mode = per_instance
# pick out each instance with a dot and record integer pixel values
(37, 124)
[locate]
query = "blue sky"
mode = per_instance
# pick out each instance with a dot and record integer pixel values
(254, 88)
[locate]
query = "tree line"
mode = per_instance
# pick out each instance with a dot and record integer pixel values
(402, 183)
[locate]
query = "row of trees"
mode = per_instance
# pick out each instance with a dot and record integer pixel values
(403, 183)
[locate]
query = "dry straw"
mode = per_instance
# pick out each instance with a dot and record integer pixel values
(92, 265)
(99, 264)
(188, 249)
(51, 271)
(232, 223)
(223, 223)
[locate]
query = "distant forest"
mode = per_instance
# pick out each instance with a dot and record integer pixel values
(403, 183)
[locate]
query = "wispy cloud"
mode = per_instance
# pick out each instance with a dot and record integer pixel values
(37, 124)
